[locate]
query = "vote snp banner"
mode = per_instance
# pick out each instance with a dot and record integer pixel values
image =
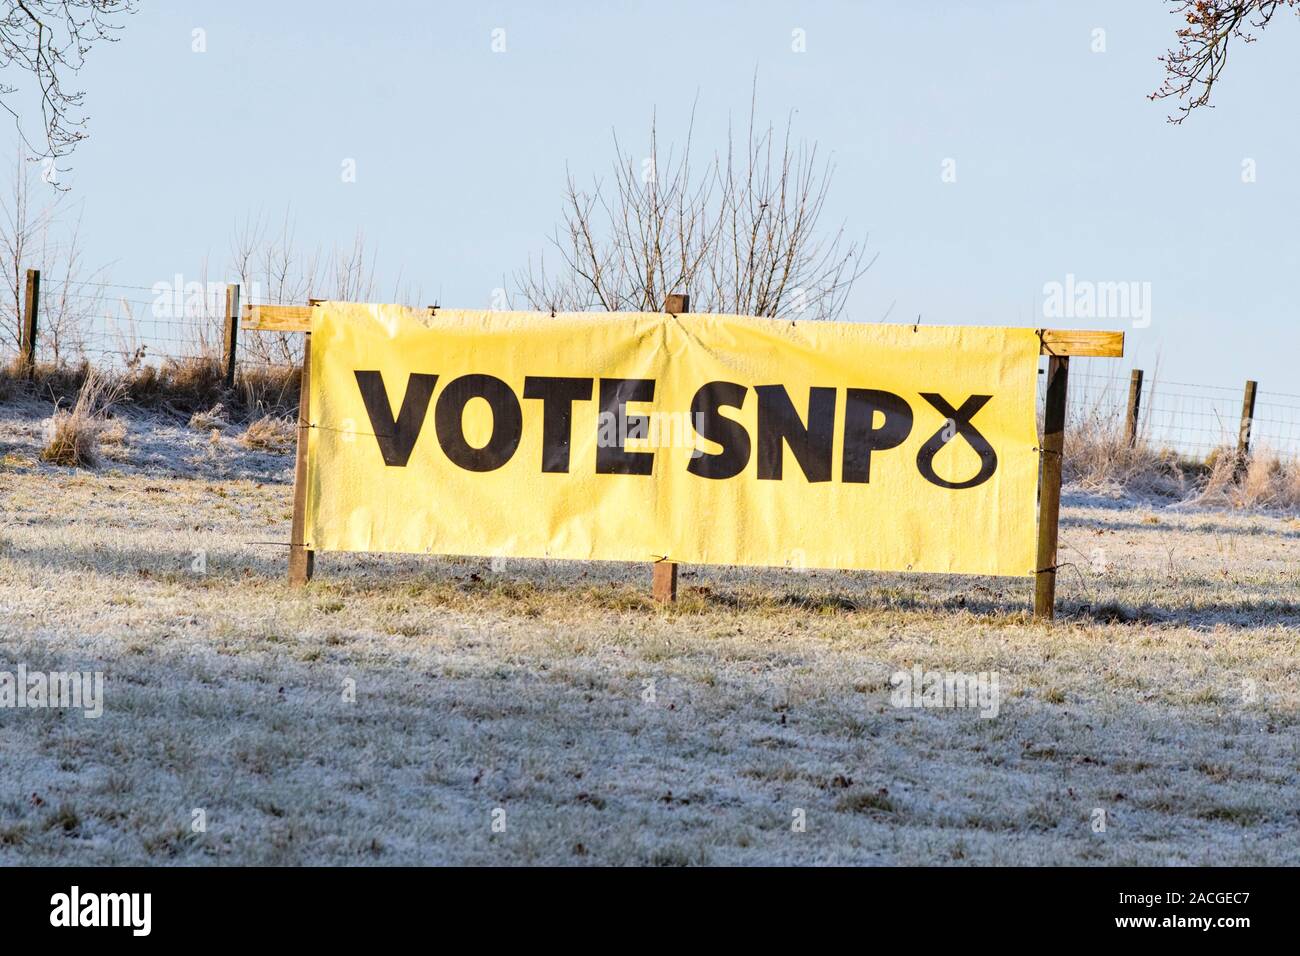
(705, 439)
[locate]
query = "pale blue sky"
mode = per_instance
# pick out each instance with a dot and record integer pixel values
(1063, 166)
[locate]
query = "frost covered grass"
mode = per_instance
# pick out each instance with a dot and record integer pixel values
(1099, 460)
(270, 432)
(396, 708)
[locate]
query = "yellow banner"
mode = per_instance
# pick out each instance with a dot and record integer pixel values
(706, 439)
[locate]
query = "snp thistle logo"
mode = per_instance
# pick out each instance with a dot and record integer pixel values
(936, 689)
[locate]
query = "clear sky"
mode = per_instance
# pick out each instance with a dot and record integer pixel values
(1062, 165)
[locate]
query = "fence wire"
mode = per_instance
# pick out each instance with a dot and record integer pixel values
(1190, 419)
(121, 325)
(118, 325)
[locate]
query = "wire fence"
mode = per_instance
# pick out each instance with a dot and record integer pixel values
(120, 325)
(1190, 419)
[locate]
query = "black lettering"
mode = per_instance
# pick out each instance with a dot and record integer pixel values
(778, 422)
(616, 425)
(861, 439)
(507, 422)
(396, 438)
(961, 425)
(558, 395)
(711, 424)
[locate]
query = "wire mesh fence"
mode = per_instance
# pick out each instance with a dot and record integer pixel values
(1190, 419)
(115, 325)
(120, 325)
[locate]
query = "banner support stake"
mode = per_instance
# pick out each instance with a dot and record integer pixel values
(302, 560)
(663, 585)
(1049, 487)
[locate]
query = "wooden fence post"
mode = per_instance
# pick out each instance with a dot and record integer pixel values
(27, 336)
(664, 584)
(302, 560)
(1134, 407)
(232, 332)
(1049, 487)
(1247, 416)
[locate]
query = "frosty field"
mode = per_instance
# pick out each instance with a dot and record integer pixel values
(403, 711)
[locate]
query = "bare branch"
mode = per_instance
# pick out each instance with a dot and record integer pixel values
(1195, 65)
(48, 40)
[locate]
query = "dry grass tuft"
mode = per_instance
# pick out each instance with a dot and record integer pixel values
(214, 419)
(75, 435)
(113, 433)
(198, 377)
(1266, 482)
(270, 388)
(1099, 459)
(270, 432)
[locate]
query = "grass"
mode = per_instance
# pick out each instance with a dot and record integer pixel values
(387, 711)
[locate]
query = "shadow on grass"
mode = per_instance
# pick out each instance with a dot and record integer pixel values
(1197, 521)
(529, 586)
(1206, 615)
(130, 562)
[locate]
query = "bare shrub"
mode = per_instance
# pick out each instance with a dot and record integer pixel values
(270, 433)
(739, 234)
(75, 434)
(274, 268)
(39, 228)
(193, 384)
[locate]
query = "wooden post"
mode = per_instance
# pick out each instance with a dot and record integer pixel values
(27, 336)
(1049, 487)
(232, 332)
(1134, 404)
(1247, 416)
(664, 584)
(302, 560)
